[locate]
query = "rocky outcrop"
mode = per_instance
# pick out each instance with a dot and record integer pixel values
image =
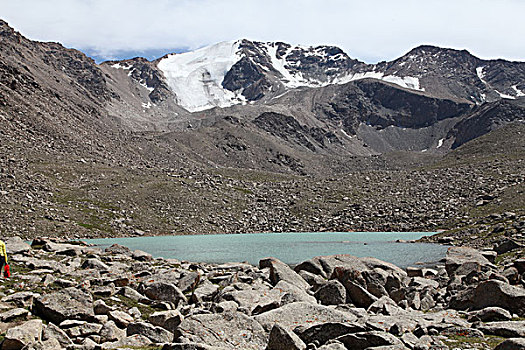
(491, 293)
(332, 302)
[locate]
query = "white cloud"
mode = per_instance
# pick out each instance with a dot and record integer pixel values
(367, 29)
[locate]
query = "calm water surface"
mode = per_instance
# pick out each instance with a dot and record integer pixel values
(291, 248)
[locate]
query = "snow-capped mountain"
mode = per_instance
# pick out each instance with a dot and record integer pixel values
(244, 71)
(236, 72)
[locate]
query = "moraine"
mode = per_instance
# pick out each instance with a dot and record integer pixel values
(291, 248)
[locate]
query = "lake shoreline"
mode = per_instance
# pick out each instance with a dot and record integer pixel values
(76, 296)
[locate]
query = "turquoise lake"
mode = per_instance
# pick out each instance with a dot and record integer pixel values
(291, 248)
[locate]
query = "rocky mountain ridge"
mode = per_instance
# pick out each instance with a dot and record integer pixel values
(103, 150)
(255, 71)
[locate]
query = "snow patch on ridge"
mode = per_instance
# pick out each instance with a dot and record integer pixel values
(481, 75)
(196, 77)
(505, 95)
(519, 93)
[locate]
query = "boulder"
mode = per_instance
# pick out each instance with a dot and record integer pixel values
(189, 282)
(300, 313)
(165, 292)
(168, 320)
(331, 293)
(18, 337)
(281, 339)
(324, 332)
(100, 307)
(21, 299)
(54, 332)
(84, 330)
(292, 293)
(111, 333)
(489, 314)
(256, 299)
(462, 261)
(325, 266)
(384, 306)
(15, 245)
(491, 293)
(507, 246)
(94, 264)
(279, 271)
(512, 344)
(121, 318)
(13, 314)
(131, 293)
(520, 265)
(68, 303)
(232, 330)
(371, 339)
(155, 334)
(506, 329)
(141, 255)
(118, 249)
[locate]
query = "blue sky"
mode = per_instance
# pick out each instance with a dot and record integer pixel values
(371, 30)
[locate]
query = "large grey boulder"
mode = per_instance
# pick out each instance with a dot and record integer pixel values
(512, 344)
(52, 331)
(462, 261)
(189, 281)
(331, 293)
(118, 249)
(165, 292)
(507, 329)
(490, 314)
(121, 318)
(18, 337)
(365, 279)
(279, 271)
(155, 334)
(231, 330)
(371, 339)
(21, 299)
(256, 299)
(491, 293)
(15, 245)
(281, 339)
(168, 320)
(110, 332)
(324, 332)
(300, 313)
(325, 265)
(96, 264)
(12, 314)
(293, 293)
(68, 303)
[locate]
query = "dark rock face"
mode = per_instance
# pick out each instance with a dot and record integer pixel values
(247, 76)
(289, 129)
(148, 75)
(486, 118)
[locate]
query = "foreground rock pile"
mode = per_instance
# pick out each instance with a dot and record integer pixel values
(65, 295)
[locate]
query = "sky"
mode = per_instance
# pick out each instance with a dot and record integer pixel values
(369, 30)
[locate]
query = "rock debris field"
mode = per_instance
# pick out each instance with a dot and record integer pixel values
(68, 295)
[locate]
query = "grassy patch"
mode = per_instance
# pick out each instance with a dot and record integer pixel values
(145, 310)
(465, 342)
